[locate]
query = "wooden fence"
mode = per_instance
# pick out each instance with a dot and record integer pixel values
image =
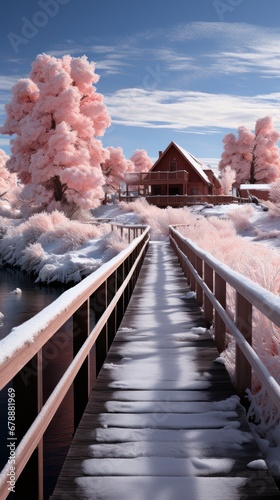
(209, 277)
(100, 299)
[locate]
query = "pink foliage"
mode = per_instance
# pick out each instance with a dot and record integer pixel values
(56, 115)
(227, 179)
(266, 152)
(114, 168)
(8, 181)
(237, 154)
(274, 193)
(141, 161)
(254, 157)
(241, 217)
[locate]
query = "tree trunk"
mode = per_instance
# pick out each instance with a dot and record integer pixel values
(252, 168)
(54, 184)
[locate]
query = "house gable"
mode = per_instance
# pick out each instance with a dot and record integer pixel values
(175, 154)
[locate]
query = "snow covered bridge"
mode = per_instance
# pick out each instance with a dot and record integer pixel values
(163, 421)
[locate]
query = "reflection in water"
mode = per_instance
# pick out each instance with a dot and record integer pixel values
(18, 308)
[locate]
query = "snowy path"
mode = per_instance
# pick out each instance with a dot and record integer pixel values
(163, 422)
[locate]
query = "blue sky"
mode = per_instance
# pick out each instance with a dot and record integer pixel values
(183, 70)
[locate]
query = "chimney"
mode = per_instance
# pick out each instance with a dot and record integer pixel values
(159, 154)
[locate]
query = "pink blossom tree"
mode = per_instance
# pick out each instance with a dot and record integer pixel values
(238, 154)
(8, 181)
(265, 166)
(254, 157)
(227, 179)
(114, 168)
(55, 115)
(141, 161)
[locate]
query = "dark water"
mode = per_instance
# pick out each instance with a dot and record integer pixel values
(57, 355)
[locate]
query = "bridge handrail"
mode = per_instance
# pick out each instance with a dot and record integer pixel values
(248, 293)
(27, 340)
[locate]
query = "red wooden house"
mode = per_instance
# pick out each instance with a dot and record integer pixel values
(175, 173)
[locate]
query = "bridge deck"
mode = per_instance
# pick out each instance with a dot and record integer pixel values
(163, 421)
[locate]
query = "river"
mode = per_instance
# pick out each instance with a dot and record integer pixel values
(17, 308)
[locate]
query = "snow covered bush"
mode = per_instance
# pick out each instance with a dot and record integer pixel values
(8, 181)
(274, 193)
(158, 219)
(241, 217)
(46, 246)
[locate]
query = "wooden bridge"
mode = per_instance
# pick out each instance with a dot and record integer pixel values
(163, 421)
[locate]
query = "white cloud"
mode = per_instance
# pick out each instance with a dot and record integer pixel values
(199, 49)
(183, 110)
(4, 142)
(7, 82)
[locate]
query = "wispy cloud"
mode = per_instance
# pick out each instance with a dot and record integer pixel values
(179, 110)
(7, 82)
(193, 50)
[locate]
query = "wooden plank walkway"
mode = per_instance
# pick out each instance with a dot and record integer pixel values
(163, 421)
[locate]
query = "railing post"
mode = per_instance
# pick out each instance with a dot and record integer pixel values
(243, 371)
(28, 386)
(187, 271)
(81, 330)
(121, 305)
(199, 292)
(220, 327)
(101, 345)
(112, 321)
(192, 280)
(208, 306)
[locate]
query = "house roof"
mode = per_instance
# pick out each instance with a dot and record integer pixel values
(256, 187)
(196, 164)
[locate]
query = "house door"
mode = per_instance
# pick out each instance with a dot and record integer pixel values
(173, 190)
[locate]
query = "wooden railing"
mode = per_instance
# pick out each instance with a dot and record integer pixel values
(209, 277)
(100, 299)
(135, 178)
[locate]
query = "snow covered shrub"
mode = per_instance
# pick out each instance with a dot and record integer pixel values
(44, 241)
(159, 219)
(241, 217)
(266, 235)
(274, 193)
(69, 236)
(32, 258)
(273, 209)
(114, 244)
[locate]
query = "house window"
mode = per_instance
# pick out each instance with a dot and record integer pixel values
(172, 166)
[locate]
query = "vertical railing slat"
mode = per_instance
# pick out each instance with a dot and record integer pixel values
(199, 292)
(29, 397)
(208, 306)
(101, 345)
(243, 371)
(220, 327)
(81, 330)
